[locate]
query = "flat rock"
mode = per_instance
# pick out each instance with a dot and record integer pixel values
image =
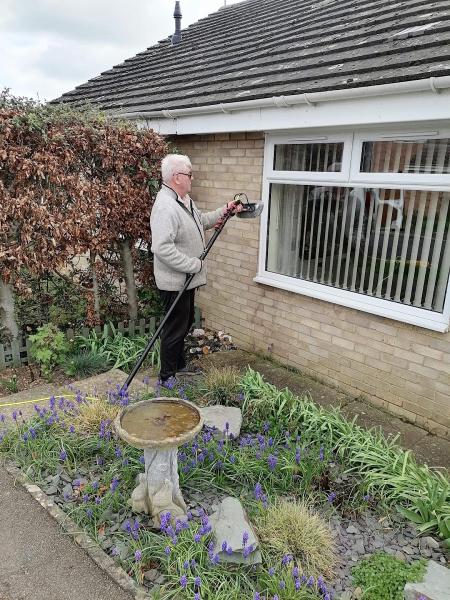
(218, 416)
(352, 530)
(430, 542)
(435, 585)
(229, 524)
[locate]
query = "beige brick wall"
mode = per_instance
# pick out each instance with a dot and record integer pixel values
(402, 368)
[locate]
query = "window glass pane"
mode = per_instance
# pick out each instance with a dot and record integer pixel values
(390, 244)
(308, 157)
(406, 156)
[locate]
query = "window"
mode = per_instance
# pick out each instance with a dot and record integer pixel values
(383, 247)
(305, 157)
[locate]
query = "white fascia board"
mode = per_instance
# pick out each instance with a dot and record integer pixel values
(354, 112)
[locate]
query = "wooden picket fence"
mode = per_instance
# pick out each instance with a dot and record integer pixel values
(17, 353)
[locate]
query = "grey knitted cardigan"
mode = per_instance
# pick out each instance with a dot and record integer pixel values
(178, 240)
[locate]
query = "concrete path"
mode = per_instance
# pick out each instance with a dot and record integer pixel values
(94, 386)
(39, 562)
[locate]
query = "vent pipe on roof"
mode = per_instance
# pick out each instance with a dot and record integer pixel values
(176, 38)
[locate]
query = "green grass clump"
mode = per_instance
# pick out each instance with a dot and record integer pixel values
(221, 386)
(383, 577)
(85, 364)
(293, 528)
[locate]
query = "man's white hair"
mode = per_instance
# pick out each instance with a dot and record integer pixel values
(172, 164)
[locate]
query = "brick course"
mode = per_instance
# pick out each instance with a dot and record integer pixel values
(400, 367)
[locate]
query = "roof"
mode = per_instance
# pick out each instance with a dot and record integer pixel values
(263, 48)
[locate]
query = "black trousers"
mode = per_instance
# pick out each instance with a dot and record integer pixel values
(174, 331)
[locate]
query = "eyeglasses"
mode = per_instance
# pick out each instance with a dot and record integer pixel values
(187, 174)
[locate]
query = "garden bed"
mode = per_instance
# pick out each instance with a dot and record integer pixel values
(289, 451)
(26, 377)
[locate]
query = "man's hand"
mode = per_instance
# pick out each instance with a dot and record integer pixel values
(235, 207)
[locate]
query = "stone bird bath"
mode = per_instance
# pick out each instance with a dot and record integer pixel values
(159, 426)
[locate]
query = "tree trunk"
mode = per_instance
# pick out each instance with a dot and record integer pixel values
(93, 257)
(7, 314)
(127, 262)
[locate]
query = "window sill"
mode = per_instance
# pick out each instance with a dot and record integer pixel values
(376, 306)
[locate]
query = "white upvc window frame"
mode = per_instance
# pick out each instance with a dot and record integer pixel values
(318, 138)
(429, 180)
(377, 306)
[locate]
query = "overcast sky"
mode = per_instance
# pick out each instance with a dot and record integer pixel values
(47, 47)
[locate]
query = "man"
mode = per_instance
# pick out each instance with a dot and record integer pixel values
(178, 240)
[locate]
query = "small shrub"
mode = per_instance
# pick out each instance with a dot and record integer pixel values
(383, 577)
(293, 528)
(85, 364)
(49, 347)
(221, 386)
(90, 415)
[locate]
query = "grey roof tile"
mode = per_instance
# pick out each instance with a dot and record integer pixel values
(263, 48)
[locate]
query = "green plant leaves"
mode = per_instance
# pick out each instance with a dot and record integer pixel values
(385, 469)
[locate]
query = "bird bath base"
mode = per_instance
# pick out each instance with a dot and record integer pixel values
(159, 489)
(158, 427)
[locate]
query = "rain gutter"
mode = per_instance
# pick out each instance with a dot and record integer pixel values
(433, 84)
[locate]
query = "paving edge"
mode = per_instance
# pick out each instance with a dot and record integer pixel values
(102, 560)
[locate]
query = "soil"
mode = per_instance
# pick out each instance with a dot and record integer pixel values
(27, 377)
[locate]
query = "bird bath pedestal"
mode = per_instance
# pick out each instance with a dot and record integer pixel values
(158, 427)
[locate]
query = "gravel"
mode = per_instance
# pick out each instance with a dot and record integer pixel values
(355, 538)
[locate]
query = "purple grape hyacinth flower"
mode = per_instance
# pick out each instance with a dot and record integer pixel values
(62, 455)
(332, 497)
(138, 556)
(183, 581)
(272, 461)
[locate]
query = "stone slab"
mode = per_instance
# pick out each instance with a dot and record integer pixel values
(229, 523)
(98, 385)
(218, 416)
(95, 385)
(435, 585)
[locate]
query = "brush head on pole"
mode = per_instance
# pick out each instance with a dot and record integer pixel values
(251, 210)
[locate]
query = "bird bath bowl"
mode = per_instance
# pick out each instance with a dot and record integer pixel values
(159, 426)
